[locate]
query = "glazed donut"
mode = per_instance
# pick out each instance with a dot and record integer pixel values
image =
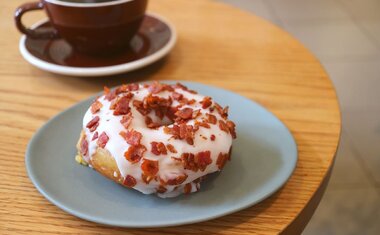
(156, 138)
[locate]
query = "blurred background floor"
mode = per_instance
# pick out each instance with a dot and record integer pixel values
(345, 36)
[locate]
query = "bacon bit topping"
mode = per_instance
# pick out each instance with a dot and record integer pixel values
(200, 161)
(221, 161)
(206, 102)
(126, 120)
(95, 136)
(133, 87)
(84, 146)
(189, 162)
(178, 180)
(225, 112)
(121, 89)
(129, 181)
(221, 111)
(202, 124)
(149, 167)
(155, 87)
(231, 128)
(146, 178)
(113, 104)
(212, 137)
(171, 148)
(93, 124)
(158, 148)
(223, 126)
(156, 102)
(109, 95)
(135, 153)
(149, 123)
(122, 106)
(170, 113)
(203, 159)
(159, 113)
(177, 96)
(183, 87)
(187, 188)
(139, 105)
(132, 137)
(161, 189)
(102, 140)
(211, 118)
(182, 131)
(96, 106)
(186, 132)
(190, 102)
(196, 113)
(185, 113)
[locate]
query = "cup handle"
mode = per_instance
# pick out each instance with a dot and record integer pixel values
(32, 6)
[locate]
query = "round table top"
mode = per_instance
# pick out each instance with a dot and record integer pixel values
(218, 45)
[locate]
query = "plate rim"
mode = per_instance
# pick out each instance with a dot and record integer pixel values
(125, 224)
(103, 70)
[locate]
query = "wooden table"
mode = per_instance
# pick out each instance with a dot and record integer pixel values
(218, 45)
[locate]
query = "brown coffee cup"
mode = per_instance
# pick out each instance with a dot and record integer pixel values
(93, 28)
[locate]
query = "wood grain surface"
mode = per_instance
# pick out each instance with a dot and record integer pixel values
(218, 45)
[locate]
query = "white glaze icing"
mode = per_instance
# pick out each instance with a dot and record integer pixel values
(168, 167)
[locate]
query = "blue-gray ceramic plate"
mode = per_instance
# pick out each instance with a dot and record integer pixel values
(264, 156)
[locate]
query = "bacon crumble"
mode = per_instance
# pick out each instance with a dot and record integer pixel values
(158, 148)
(206, 102)
(122, 105)
(200, 161)
(96, 106)
(185, 113)
(135, 153)
(177, 96)
(126, 120)
(178, 180)
(103, 140)
(149, 167)
(149, 123)
(93, 124)
(211, 119)
(221, 161)
(95, 136)
(231, 127)
(223, 112)
(130, 181)
(223, 126)
(132, 137)
(171, 148)
(182, 131)
(183, 87)
(84, 146)
(108, 94)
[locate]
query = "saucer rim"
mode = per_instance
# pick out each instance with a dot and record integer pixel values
(102, 70)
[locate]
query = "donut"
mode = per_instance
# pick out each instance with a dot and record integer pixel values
(156, 138)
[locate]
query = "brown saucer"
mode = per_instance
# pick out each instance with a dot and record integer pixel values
(154, 40)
